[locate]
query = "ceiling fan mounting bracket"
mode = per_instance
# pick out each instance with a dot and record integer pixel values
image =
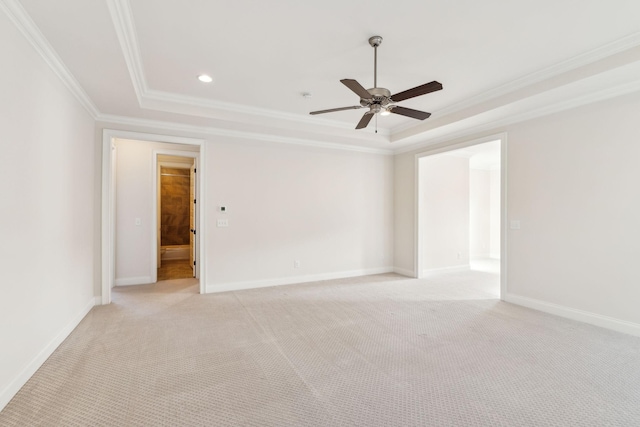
(375, 41)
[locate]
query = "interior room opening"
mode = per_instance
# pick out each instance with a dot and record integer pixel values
(459, 213)
(176, 217)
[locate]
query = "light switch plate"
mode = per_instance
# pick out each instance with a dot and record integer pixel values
(223, 223)
(515, 224)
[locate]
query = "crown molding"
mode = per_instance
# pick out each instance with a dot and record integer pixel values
(124, 24)
(175, 99)
(557, 107)
(21, 19)
(180, 127)
(625, 43)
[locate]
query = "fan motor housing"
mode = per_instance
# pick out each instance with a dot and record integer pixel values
(379, 96)
(379, 92)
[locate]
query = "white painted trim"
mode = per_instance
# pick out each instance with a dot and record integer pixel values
(108, 217)
(130, 281)
(403, 272)
(558, 107)
(599, 53)
(108, 202)
(417, 223)
(154, 202)
(170, 99)
(418, 269)
(124, 25)
(122, 17)
(504, 210)
(31, 32)
(180, 127)
(575, 314)
(451, 269)
(255, 284)
(22, 377)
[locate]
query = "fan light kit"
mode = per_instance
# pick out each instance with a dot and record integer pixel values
(379, 99)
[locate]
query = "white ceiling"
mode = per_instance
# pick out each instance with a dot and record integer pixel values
(499, 62)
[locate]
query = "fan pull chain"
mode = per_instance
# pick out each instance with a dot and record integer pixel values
(376, 123)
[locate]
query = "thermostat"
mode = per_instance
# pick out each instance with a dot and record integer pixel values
(223, 208)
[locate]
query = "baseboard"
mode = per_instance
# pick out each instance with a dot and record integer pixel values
(254, 284)
(575, 314)
(461, 267)
(21, 379)
(129, 281)
(404, 272)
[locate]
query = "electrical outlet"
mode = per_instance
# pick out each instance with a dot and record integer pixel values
(296, 264)
(223, 223)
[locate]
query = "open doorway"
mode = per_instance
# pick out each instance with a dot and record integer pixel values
(130, 226)
(459, 215)
(176, 189)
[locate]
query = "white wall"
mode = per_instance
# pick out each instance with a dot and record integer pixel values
(48, 212)
(331, 210)
(479, 213)
(444, 188)
(571, 183)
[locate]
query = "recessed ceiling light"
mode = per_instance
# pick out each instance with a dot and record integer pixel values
(205, 78)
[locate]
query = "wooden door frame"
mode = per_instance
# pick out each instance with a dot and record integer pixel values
(108, 203)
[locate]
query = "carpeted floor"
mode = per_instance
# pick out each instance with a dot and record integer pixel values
(380, 350)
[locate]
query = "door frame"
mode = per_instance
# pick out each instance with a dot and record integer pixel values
(418, 226)
(108, 226)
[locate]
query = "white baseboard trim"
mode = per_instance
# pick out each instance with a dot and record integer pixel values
(461, 267)
(575, 314)
(129, 281)
(254, 284)
(404, 272)
(21, 379)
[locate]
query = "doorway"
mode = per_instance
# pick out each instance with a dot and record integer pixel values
(129, 238)
(176, 215)
(460, 206)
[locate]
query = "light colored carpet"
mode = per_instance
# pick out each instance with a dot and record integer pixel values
(374, 351)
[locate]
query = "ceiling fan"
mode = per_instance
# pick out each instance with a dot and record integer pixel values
(379, 99)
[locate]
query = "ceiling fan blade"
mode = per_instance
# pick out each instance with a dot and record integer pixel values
(355, 107)
(417, 91)
(364, 121)
(409, 112)
(356, 88)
